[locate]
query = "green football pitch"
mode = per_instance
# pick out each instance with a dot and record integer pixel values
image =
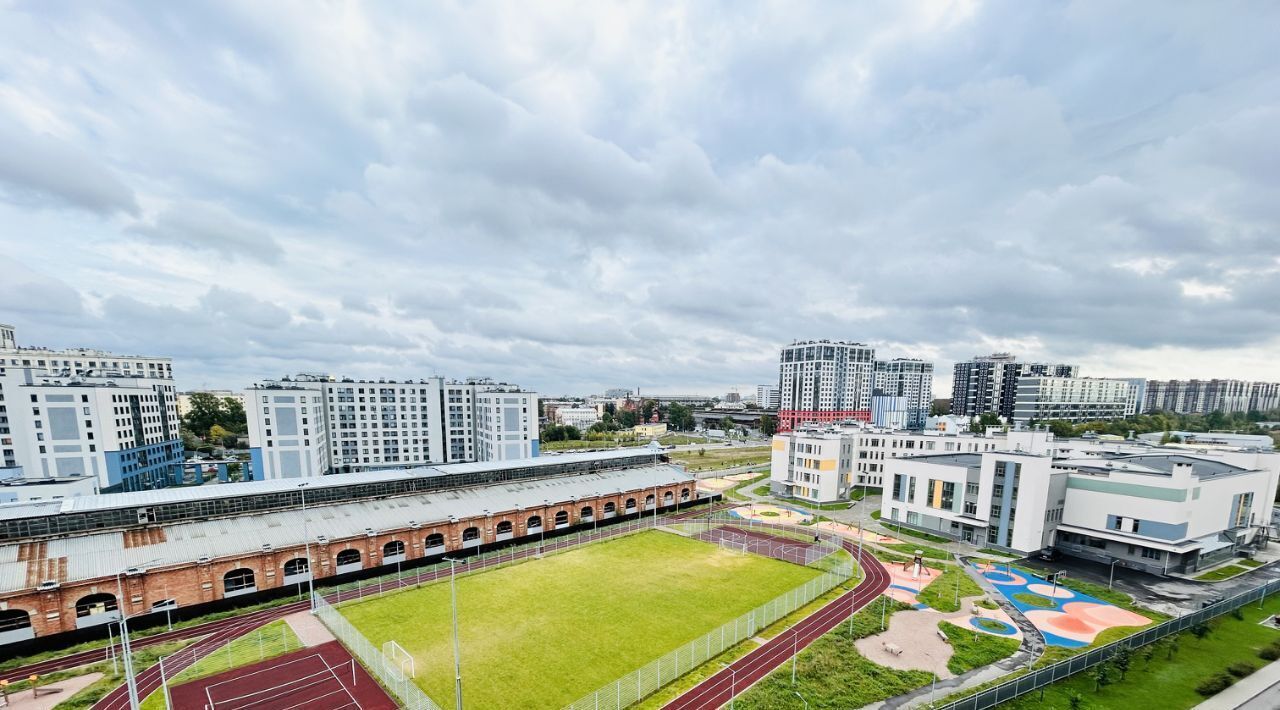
(543, 633)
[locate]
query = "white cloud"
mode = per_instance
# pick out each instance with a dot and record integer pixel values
(656, 195)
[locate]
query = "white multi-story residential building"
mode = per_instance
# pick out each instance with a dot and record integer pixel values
(313, 425)
(506, 423)
(1264, 396)
(1160, 509)
(822, 381)
(580, 417)
(910, 379)
(1137, 396)
(1204, 396)
(81, 412)
(807, 464)
(1072, 399)
(768, 396)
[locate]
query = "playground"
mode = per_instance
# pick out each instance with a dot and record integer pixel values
(915, 639)
(770, 513)
(1065, 617)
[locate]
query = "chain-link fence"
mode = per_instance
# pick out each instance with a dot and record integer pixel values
(387, 671)
(991, 697)
(200, 660)
(642, 682)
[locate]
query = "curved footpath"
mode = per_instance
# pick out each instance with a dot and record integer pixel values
(720, 688)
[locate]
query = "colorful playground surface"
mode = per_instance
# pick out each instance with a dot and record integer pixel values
(1065, 617)
(770, 513)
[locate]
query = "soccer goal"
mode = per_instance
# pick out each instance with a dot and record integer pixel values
(395, 653)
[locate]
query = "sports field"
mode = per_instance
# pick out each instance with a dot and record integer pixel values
(543, 633)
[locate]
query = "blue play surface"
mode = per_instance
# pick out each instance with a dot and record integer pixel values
(1016, 582)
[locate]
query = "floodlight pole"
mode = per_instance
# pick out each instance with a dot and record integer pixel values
(1111, 574)
(306, 542)
(457, 654)
(131, 683)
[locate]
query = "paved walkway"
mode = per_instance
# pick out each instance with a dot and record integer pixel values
(307, 627)
(51, 694)
(1259, 691)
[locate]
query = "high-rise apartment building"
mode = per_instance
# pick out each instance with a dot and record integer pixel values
(1204, 396)
(81, 412)
(825, 381)
(1072, 399)
(315, 424)
(989, 383)
(911, 380)
(767, 396)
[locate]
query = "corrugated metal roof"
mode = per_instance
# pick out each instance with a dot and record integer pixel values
(104, 554)
(107, 501)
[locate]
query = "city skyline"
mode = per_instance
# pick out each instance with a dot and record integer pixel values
(657, 196)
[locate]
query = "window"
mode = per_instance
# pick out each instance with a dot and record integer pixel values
(435, 540)
(348, 557)
(534, 521)
(296, 566)
(393, 548)
(470, 534)
(238, 580)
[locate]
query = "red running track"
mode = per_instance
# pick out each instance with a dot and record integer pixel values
(720, 688)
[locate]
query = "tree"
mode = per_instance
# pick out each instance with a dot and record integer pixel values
(680, 417)
(204, 411)
(1075, 701)
(190, 441)
(1148, 652)
(646, 410)
(1061, 428)
(1122, 658)
(1174, 643)
(980, 424)
(627, 418)
(232, 416)
(768, 424)
(939, 407)
(1201, 630)
(1101, 676)
(726, 423)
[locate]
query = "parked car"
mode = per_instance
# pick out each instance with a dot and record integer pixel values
(1050, 554)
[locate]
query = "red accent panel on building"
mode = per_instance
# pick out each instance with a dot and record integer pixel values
(789, 419)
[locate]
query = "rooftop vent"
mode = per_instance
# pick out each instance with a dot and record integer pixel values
(47, 585)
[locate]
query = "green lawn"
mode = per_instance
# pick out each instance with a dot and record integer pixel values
(1222, 573)
(974, 649)
(928, 537)
(832, 674)
(735, 493)
(273, 639)
(1164, 683)
(545, 632)
(718, 457)
(941, 592)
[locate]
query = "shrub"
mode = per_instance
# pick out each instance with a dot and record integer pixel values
(1270, 653)
(1237, 614)
(1215, 684)
(1241, 669)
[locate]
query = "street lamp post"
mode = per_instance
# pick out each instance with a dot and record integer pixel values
(457, 652)
(733, 683)
(126, 650)
(1111, 574)
(542, 526)
(306, 542)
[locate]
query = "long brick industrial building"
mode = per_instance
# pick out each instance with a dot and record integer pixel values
(62, 562)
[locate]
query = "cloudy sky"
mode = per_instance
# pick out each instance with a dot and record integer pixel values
(575, 197)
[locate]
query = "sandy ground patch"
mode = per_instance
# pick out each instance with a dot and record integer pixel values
(308, 629)
(715, 484)
(916, 633)
(855, 532)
